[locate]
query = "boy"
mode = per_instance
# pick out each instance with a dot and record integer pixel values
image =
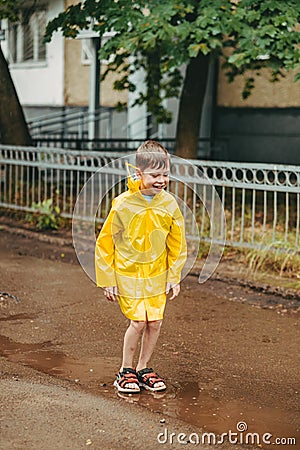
(139, 255)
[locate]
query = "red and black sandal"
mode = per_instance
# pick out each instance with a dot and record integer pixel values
(148, 379)
(126, 377)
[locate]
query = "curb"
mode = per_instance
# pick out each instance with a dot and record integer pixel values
(36, 235)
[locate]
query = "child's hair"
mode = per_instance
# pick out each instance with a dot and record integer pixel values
(152, 154)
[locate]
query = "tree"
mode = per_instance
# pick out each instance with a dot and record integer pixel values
(161, 36)
(13, 127)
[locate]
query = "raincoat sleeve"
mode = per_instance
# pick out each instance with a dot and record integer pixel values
(176, 248)
(105, 251)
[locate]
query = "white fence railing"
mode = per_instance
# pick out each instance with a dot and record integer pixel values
(261, 201)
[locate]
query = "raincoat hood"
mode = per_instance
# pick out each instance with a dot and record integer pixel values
(133, 184)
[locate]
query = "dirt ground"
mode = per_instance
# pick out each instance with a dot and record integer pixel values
(228, 350)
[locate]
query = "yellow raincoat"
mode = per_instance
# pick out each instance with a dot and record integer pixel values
(140, 248)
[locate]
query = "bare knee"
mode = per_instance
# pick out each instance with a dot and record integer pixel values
(154, 325)
(138, 326)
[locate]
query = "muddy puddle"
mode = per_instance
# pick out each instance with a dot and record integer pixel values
(199, 406)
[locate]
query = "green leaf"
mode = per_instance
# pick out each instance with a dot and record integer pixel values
(194, 50)
(236, 58)
(297, 77)
(169, 33)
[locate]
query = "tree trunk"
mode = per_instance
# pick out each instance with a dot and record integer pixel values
(13, 127)
(190, 107)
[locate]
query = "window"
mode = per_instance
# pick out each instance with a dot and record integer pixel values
(86, 52)
(25, 39)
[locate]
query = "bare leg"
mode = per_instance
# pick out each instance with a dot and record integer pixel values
(149, 341)
(126, 380)
(131, 339)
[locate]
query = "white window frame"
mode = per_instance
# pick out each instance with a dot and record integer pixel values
(35, 61)
(86, 53)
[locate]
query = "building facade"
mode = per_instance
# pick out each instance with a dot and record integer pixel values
(56, 77)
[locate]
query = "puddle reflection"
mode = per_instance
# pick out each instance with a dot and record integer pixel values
(199, 406)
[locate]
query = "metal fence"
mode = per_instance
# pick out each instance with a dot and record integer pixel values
(261, 201)
(207, 148)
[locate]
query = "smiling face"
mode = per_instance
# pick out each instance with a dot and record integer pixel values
(153, 181)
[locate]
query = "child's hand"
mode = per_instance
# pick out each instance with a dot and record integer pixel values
(175, 288)
(110, 293)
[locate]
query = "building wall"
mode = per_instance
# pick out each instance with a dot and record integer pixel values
(41, 83)
(63, 79)
(263, 128)
(76, 80)
(266, 135)
(77, 75)
(282, 94)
